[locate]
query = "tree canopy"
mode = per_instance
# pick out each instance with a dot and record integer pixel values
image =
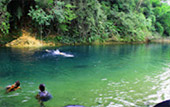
(87, 20)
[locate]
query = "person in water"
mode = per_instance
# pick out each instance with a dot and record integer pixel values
(57, 52)
(13, 87)
(43, 95)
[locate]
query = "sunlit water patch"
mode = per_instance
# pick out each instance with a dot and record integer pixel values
(161, 88)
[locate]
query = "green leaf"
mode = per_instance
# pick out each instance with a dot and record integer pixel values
(63, 27)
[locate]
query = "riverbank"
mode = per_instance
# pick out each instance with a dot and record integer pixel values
(28, 39)
(161, 40)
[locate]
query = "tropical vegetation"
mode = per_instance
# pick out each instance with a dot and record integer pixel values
(85, 21)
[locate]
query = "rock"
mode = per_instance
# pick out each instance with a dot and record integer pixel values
(26, 40)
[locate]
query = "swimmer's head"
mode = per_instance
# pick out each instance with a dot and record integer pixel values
(42, 87)
(17, 83)
(47, 50)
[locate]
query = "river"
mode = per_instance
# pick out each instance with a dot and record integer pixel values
(97, 76)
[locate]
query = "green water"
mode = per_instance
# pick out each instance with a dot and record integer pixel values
(97, 76)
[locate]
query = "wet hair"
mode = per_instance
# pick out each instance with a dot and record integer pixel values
(17, 83)
(42, 87)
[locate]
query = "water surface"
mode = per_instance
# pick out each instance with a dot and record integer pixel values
(97, 76)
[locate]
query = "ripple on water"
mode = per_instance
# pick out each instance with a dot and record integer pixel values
(118, 96)
(23, 101)
(162, 88)
(15, 94)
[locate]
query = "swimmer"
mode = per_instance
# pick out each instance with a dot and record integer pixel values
(53, 51)
(13, 87)
(57, 52)
(43, 95)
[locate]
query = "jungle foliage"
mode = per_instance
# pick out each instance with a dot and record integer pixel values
(75, 21)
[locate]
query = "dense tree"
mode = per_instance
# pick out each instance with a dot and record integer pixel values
(87, 20)
(4, 17)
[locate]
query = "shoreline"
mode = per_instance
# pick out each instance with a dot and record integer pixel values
(28, 40)
(159, 41)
